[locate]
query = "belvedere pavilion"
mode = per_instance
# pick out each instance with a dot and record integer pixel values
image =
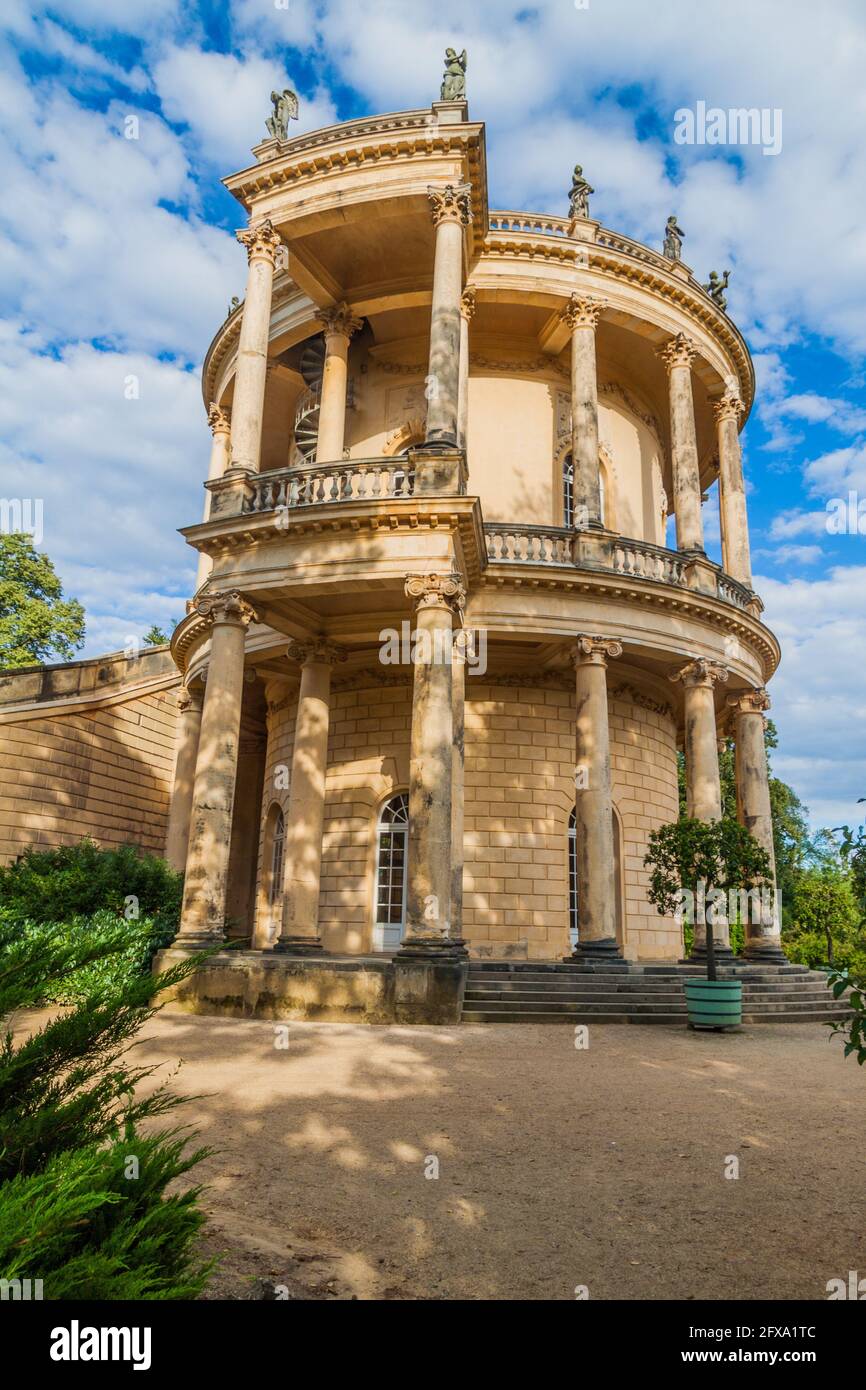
(466, 428)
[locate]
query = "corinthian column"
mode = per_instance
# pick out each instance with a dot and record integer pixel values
(703, 783)
(438, 598)
(677, 356)
(764, 935)
(581, 315)
(339, 324)
(189, 707)
(467, 313)
(593, 807)
(248, 403)
(305, 817)
(732, 493)
(220, 457)
(451, 213)
(205, 886)
(458, 698)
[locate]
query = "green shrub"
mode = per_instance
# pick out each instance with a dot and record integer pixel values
(140, 942)
(853, 1029)
(56, 885)
(74, 1212)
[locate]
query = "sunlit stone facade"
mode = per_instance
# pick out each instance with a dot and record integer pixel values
(448, 423)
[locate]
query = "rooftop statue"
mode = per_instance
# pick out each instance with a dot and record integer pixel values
(579, 195)
(673, 247)
(286, 107)
(716, 288)
(454, 81)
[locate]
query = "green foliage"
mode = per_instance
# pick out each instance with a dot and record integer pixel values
(73, 1211)
(852, 850)
(823, 921)
(79, 880)
(36, 622)
(853, 1028)
(694, 855)
(155, 637)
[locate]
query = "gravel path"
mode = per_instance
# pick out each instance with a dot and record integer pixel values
(558, 1167)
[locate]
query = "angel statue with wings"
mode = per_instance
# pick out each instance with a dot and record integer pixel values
(454, 81)
(286, 109)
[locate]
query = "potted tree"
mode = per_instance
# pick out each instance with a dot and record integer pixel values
(692, 861)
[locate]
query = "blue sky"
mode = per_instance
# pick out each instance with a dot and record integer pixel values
(117, 261)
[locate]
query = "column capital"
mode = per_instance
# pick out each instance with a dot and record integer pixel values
(582, 311)
(318, 649)
(450, 203)
(700, 672)
(467, 302)
(262, 241)
(591, 650)
(728, 407)
(755, 701)
(437, 591)
(226, 607)
(339, 321)
(219, 419)
(678, 351)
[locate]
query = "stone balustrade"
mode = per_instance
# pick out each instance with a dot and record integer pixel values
(529, 545)
(352, 480)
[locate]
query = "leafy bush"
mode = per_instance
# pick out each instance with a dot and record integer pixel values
(56, 885)
(75, 1212)
(853, 1028)
(140, 942)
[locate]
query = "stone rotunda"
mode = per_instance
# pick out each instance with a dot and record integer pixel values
(441, 656)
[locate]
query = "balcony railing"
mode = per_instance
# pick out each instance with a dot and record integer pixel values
(370, 480)
(352, 480)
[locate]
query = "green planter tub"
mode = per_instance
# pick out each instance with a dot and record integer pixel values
(714, 1003)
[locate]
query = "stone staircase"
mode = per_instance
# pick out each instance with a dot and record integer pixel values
(562, 992)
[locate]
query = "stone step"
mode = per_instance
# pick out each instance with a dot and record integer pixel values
(486, 1016)
(753, 996)
(542, 1004)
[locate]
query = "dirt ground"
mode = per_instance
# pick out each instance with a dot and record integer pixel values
(557, 1167)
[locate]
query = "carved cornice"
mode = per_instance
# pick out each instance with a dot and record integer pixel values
(700, 672)
(339, 321)
(317, 649)
(437, 591)
(582, 312)
(450, 203)
(591, 650)
(262, 241)
(227, 607)
(219, 419)
(679, 351)
(749, 701)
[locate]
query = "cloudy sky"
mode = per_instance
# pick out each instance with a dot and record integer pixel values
(117, 261)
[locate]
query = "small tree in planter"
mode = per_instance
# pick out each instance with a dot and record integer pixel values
(689, 853)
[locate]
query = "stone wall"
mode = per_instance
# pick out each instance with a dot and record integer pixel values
(87, 748)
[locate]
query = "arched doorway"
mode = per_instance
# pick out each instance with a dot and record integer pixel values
(573, 924)
(392, 836)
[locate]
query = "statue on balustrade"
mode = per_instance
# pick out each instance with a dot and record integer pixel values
(673, 247)
(716, 288)
(579, 195)
(454, 81)
(286, 107)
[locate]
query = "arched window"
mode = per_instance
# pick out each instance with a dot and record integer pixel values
(572, 878)
(278, 856)
(273, 865)
(392, 834)
(568, 490)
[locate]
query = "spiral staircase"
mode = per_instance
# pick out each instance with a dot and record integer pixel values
(306, 427)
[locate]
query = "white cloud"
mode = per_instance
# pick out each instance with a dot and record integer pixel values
(819, 702)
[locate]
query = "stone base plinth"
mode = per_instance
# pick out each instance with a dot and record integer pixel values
(315, 986)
